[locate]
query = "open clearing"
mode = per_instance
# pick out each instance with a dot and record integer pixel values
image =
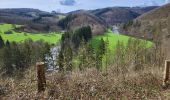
(51, 38)
(113, 39)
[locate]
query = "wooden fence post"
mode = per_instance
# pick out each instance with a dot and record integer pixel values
(41, 76)
(166, 72)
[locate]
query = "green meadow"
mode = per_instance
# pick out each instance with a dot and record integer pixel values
(113, 38)
(51, 38)
(55, 37)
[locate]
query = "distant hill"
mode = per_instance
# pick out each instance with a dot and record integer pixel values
(77, 11)
(79, 19)
(33, 20)
(117, 15)
(153, 25)
(142, 10)
(25, 12)
(21, 15)
(144, 25)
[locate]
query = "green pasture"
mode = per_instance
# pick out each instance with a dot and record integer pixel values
(51, 38)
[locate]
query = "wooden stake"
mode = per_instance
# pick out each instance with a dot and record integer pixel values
(41, 76)
(166, 72)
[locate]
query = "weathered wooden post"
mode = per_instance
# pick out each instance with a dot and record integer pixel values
(41, 76)
(166, 72)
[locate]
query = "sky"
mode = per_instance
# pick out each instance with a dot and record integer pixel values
(71, 5)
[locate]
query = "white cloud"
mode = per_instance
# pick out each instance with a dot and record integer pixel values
(68, 2)
(167, 1)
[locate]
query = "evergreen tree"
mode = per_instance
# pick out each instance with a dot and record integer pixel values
(7, 60)
(17, 58)
(27, 50)
(76, 39)
(102, 47)
(7, 44)
(65, 59)
(60, 60)
(66, 53)
(87, 34)
(81, 34)
(82, 56)
(107, 52)
(86, 56)
(65, 22)
(2, 44)
(100, 54)
(68, 56)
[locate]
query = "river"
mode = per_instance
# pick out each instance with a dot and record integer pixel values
(50, 59)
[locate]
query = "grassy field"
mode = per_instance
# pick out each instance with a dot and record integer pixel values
(113, 39)
(51, 38)
(55, 37)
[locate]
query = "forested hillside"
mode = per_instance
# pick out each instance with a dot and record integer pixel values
(153, 25)
(112, 53)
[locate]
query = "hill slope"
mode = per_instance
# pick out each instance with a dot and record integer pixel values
(153, 25)
(33, 20)
(116, 15)
(79, 19)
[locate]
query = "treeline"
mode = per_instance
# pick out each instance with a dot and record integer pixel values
(15, 58)
(64, 22)
(77, 51)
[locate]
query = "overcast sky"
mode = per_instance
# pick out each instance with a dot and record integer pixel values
(70, 5)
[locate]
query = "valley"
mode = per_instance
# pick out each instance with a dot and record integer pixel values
(103, 52)
(55, 37)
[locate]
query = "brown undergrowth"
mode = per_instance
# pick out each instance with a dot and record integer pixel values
(89, 84)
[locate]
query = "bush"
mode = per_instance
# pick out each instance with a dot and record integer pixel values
(8, 32)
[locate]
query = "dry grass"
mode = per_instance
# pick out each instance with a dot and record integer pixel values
(89, 84)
